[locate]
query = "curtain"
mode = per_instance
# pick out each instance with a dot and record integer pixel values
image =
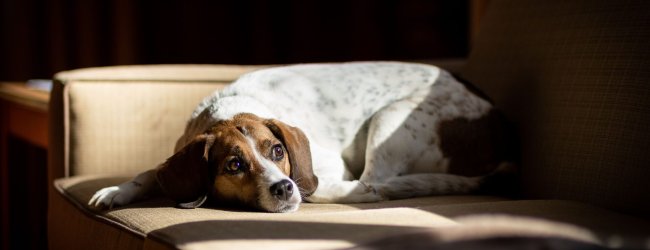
(42, 37)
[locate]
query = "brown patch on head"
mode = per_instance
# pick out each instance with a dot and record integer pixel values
(240, 189)
(231, 146)
(477, 147)
(234, 144)
(185, 176)
(297, 146)
(229, 160)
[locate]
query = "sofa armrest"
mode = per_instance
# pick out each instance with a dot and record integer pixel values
(125, 119)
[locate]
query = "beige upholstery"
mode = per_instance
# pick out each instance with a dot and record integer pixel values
(572, 75)
(158, 219)
(155, 223)
(114, 115)
(105, 121)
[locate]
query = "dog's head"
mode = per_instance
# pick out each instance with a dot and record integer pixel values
(262, 163)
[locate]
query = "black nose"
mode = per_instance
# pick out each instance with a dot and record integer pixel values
(282, 190)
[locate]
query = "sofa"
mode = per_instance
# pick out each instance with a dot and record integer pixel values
(572, 76)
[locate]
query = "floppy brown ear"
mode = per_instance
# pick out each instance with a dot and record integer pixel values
(185, 176)
(297, 146)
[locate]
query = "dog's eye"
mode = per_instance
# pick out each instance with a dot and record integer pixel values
(234, 166)
(277, 152)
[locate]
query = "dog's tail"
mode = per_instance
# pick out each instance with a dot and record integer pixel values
(415, 185)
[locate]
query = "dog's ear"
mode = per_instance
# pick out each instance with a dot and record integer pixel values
(185, 176)
(297, 146)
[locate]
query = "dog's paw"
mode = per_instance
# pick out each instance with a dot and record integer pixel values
(344, 192)
(367, 193)
(110, 197)
(366, 197)
(363, 193)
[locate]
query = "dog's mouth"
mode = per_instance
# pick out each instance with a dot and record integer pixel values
(272, 200)
(278, 206)
(287, 208)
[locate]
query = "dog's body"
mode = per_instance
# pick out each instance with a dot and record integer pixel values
(368, 131)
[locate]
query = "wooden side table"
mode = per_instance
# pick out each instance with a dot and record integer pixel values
(23, 165)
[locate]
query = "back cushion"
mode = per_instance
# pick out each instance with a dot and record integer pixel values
(122, 120)
(574, 77)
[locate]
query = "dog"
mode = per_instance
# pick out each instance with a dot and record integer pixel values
(329, 133)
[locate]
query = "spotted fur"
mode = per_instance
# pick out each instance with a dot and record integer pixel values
(374, 128)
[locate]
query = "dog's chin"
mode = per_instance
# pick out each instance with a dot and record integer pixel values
(287, 208)
(278, 206)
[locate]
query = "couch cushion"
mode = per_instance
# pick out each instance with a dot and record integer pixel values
(159, 225)
(573, 75)
(612, 228)
(209, 73)
(325, 225)
(112, 115)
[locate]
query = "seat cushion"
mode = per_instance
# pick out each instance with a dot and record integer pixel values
(610, 228)
(156, 223)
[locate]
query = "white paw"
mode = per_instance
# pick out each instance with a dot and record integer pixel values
(112, 196)
(365, 193)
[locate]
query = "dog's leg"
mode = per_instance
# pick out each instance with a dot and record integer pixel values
(395, 141)
(335, 184)
(337, 191)
(137, 188)
(403, 158)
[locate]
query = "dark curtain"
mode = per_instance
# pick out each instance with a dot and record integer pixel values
(42, 37)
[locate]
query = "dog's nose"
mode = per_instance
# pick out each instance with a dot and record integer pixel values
(282, 190)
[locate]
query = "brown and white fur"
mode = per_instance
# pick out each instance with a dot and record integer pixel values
(328, 133)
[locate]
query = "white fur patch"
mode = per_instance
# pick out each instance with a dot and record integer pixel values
(271, 174)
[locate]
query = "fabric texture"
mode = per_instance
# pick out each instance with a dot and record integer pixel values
(139, 129)
(156, 222)
(119, 121)
(72, 228)
(113, 115)
(573, 76)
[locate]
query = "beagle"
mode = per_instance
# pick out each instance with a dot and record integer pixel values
(329, 133)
